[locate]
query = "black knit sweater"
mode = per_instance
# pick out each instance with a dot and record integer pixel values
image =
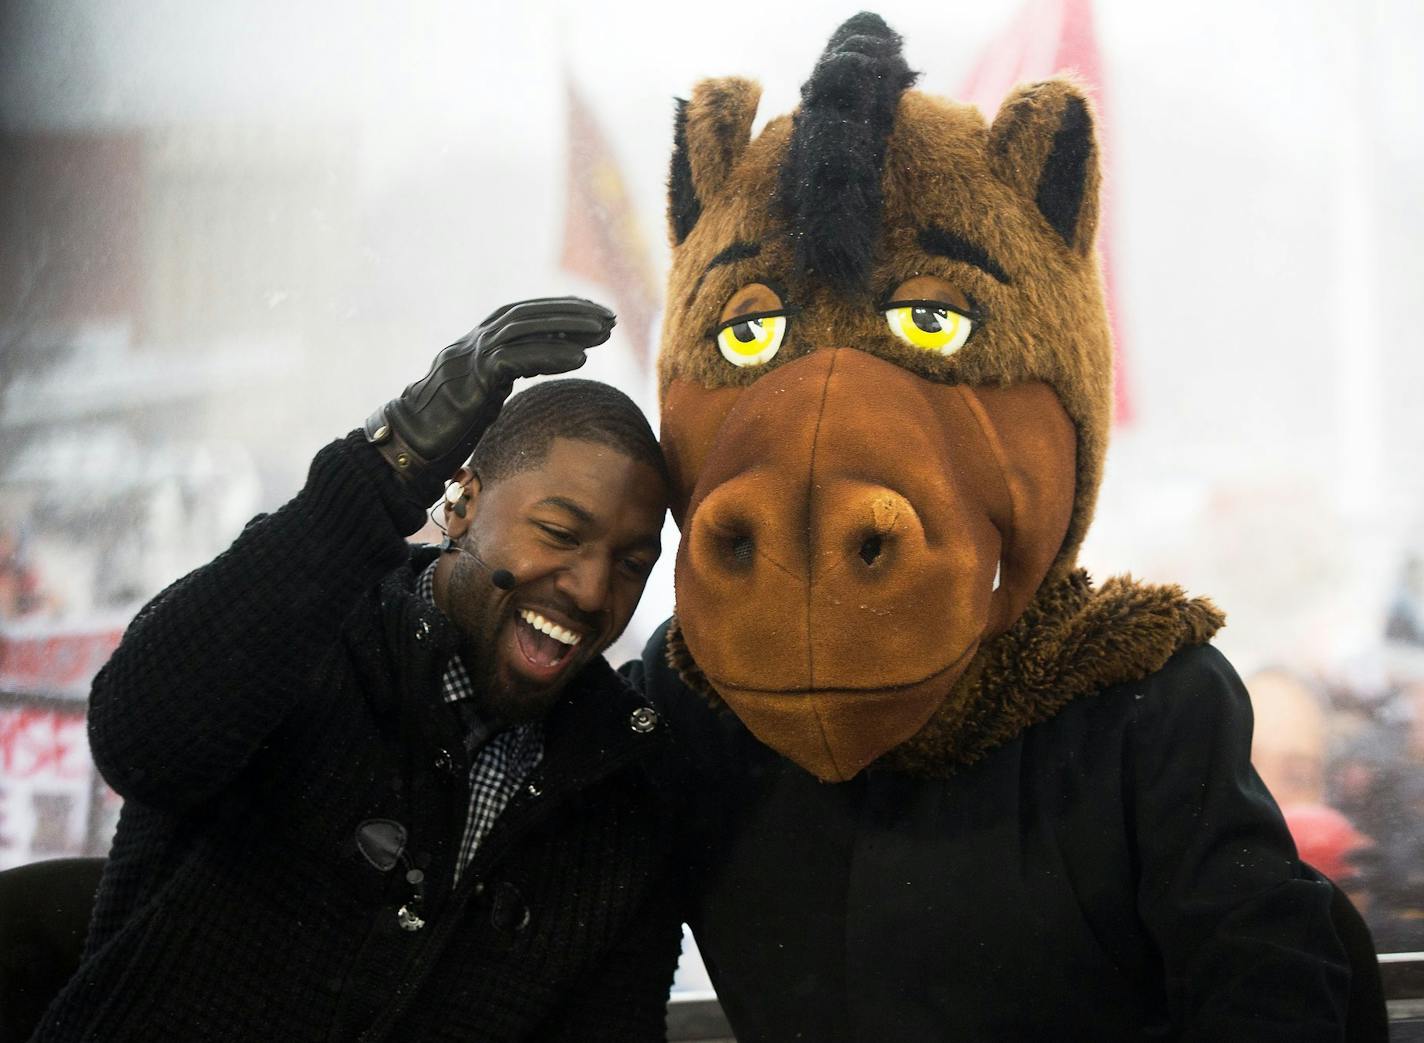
(263, 708)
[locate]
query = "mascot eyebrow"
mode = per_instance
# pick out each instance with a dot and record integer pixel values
(941, 243)
(738, 251)
(731, 255)
(932, 240)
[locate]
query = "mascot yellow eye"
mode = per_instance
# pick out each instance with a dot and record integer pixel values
(750, 340)
(929, 325)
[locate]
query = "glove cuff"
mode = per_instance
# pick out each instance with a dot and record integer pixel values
(412, 468)
(377, 427)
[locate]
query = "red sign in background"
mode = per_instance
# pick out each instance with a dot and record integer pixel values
(54, 663)
(37, 743)
(52, 803)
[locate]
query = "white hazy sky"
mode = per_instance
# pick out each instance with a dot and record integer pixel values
(423, 75)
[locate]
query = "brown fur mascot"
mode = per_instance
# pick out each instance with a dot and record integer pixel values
(930, 782)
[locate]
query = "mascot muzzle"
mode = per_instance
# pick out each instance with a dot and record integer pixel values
(845, 554)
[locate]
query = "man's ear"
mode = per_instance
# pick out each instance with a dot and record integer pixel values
(461, 495)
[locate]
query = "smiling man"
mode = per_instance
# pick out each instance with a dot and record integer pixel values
(382, 792)
(576, 502)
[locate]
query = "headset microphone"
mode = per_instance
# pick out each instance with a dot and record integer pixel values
(501, 578)
(455, 496)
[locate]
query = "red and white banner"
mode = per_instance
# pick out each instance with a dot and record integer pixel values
(51, 802)
(54, 662)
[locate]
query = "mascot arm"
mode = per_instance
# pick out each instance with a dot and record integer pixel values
(1243, 929)
(624, 995)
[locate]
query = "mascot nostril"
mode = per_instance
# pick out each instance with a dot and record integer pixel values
(743, 550)
(864, 527)
(870, 549)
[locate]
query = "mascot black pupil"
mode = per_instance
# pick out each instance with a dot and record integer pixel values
(926, 319)
(743, 332)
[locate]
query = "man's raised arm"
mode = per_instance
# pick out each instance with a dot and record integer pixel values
(212, 664)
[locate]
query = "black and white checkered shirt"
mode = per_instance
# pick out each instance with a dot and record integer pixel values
(501, 761)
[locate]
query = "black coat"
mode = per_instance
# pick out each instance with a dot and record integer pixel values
(262, 709)
(1115, 872)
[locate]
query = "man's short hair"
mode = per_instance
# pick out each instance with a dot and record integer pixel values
(586, 410)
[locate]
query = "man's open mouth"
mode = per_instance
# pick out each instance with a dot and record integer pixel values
(544, 643)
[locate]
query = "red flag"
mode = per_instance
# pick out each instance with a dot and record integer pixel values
(602, 240)
(1046, 37)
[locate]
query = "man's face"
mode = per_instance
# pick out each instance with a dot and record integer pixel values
(580, 534)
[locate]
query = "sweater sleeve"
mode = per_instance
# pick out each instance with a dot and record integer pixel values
(211, 665)
(1245, 934)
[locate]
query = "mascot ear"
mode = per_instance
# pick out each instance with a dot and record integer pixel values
(1042, 144)
(711, 131)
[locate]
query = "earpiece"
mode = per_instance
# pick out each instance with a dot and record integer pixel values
(455, 496)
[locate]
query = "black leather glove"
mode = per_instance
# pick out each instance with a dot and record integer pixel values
(431, 429)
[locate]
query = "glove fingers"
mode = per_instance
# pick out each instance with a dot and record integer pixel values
(576, 328)
(556, 358)
(494, 315)
(551, 306)
(530, 358)
(504, 308)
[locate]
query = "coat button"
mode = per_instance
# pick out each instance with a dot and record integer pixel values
(444, 763)
(408, 919)
(643, 720)
(533, 789)
(509, 912)
(422, 630)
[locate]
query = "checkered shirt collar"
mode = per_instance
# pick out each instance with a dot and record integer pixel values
(500, 761)
(455, 683)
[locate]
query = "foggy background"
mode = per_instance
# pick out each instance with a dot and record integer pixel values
(230, 230)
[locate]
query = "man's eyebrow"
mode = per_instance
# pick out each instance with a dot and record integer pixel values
(741, 250)
(942, 243)
(564, 503)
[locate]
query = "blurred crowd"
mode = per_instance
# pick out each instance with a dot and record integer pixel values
(1344, 757)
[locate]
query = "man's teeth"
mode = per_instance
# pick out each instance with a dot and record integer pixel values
(545, 626)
